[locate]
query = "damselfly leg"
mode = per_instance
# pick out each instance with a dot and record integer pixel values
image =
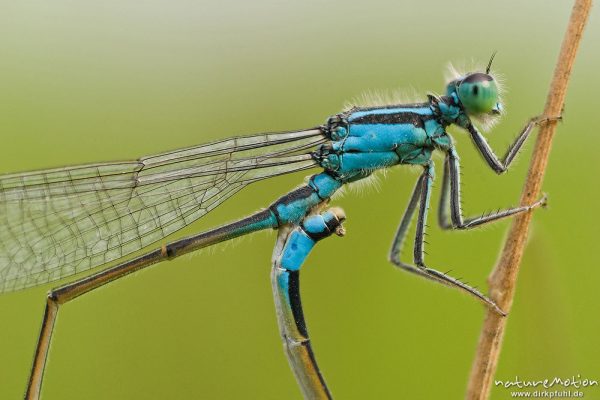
(421, 197)
(500, 166)
(451, 198)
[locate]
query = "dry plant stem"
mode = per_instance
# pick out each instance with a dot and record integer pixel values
(502, 281)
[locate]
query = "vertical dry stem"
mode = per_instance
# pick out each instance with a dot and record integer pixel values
(502, 281)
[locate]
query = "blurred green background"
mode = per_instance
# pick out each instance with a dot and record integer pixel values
(93, 81)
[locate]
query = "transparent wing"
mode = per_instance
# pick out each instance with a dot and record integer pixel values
(58, 222)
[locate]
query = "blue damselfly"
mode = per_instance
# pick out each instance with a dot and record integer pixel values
(63, 221)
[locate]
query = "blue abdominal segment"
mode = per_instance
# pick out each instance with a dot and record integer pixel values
(297, 247)
(303, 238)
(294, 206)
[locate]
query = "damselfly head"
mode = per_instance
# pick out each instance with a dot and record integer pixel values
(478, 92)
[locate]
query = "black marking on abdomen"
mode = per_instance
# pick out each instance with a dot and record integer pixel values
(295, 303)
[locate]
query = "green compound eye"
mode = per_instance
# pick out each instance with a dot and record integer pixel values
(478, 93)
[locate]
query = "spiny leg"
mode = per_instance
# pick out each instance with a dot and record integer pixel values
(451, 197)
(500, 166)
(294, 243)
(405, 223)
(421, 196)
(443, 207)
(59, 296)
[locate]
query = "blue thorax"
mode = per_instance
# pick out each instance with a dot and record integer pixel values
(367, 139)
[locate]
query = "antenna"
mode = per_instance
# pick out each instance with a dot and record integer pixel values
(489, 66)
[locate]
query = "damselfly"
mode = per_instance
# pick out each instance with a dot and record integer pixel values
(59, 222)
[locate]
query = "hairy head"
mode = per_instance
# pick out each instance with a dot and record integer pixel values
(479, 93)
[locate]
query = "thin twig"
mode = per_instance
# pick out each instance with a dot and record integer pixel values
(502, 280)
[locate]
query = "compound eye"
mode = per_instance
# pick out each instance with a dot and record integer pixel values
(478, 93)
